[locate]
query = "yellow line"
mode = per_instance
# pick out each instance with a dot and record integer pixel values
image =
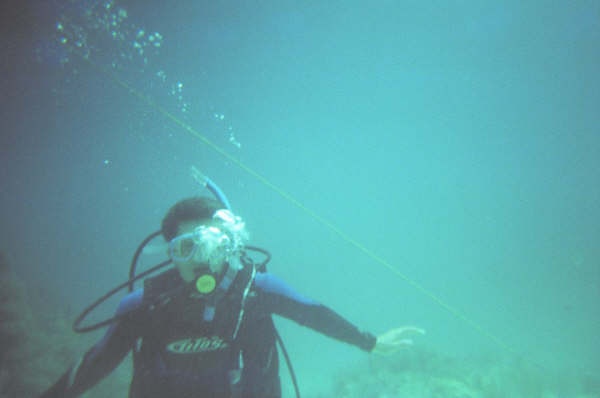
(452, 310)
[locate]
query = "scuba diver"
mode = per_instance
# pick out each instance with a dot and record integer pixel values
(204, 327)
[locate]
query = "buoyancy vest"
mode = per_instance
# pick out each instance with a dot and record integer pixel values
(181, 353)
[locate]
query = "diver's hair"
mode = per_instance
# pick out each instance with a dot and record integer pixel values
(190, 209)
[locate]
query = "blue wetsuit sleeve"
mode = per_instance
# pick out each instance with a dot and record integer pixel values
(105, 355)
(279, 298)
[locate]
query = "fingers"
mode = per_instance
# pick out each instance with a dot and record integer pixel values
(399, 336)
(411, 330)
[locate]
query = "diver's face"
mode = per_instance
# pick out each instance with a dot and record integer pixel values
(193, 262)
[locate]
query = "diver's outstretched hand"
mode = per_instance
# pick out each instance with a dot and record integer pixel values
(395, 339)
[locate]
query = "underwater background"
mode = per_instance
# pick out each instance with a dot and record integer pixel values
(428, 163)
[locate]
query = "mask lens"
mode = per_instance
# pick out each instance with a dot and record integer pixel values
(207, 244)
(182, 248)
(186, 246)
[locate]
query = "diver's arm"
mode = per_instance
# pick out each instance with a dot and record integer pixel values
(103, 357)
(281, 299)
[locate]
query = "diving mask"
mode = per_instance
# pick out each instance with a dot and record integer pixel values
(211, 244)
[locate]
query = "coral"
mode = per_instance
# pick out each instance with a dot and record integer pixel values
(35, 348)
(418, 373)
(17, 350)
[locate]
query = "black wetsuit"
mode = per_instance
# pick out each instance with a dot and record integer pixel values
(179, 354)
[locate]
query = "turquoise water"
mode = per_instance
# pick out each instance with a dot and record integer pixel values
(456, 141)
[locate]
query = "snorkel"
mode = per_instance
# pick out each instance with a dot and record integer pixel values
(207, 183)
